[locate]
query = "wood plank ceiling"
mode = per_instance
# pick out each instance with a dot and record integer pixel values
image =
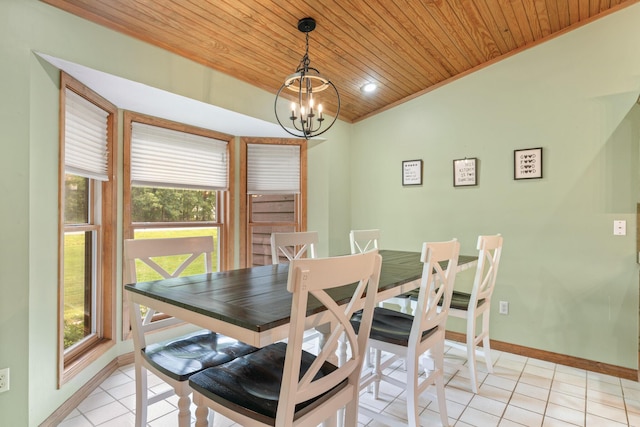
(407, 47)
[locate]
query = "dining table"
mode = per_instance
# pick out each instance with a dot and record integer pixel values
(253, 305)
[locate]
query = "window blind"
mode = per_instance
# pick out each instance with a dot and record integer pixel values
(85, 142)
(273, 169)
(162, 157)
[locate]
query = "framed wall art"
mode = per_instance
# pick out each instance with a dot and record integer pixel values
(412, 172)
(527, 163)
(465, 172)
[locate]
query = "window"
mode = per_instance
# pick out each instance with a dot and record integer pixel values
(177, 184)
(274, 189)
(87, 214)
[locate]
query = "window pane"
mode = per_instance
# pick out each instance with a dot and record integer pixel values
(150, 204)
(76, 199)
(272, 208)
(170, 263)
(78, 289)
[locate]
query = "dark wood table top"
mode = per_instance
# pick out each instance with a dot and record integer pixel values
(256, 299)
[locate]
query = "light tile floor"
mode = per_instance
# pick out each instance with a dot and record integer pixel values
(520, 392)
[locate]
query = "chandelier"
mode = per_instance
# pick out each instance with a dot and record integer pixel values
(307, 83)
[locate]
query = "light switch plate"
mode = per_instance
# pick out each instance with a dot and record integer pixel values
(4, 380)
(620, 227)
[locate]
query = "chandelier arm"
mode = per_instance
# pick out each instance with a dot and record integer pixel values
(335, 118)
(278, 118)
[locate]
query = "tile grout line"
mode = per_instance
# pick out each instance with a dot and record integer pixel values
(512, 391)
(608, 385)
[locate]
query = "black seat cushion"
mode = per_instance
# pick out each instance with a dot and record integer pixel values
(251, 384)
(182, 357)
(459, 300)
(389, 326)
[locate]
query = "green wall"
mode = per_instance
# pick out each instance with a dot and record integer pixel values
(29, 126)
(571, 284)
(14, 214)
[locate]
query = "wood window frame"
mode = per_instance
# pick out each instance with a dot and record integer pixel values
(244, 203)
(73, 362)
(225, 217)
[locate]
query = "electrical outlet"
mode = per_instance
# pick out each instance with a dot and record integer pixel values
(504, 307)
(4, 380)
(619, 228)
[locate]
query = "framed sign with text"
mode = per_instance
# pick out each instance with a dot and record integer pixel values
(412, 172)
(527, 163)
(465, 172)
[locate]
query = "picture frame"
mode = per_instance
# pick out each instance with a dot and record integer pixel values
(465, 172)
(411, 172)
(527, 163)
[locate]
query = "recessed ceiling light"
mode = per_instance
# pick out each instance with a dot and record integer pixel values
(368, 87)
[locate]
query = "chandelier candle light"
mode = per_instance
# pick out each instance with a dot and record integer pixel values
(306, 114)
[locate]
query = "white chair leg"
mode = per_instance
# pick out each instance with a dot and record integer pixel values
(184, 412)
(377, 356)
(442, 402)
(486, 342)
(332, 421)
(471, 353)
(412, 366)
(202, 411)
(369, 365)
(351, 414)
(141, 395)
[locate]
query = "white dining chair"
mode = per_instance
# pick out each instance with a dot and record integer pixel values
(283, 385)
(365, 240)
(294, 245)
(174, 360)
(471, 306)
(409, 337)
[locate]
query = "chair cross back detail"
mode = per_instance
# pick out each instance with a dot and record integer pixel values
(306, 279)
(437, 283)
(363, 240)
(141, 248)
(293, 245)
(145, 250)
(490, 250)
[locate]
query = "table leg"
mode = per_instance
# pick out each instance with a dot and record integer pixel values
(325, 332)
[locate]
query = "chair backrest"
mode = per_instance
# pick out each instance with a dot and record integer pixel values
(489, 252)
(313, 277)
(293, 245)
(149, 250)
(436, 287)
(363, 240)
